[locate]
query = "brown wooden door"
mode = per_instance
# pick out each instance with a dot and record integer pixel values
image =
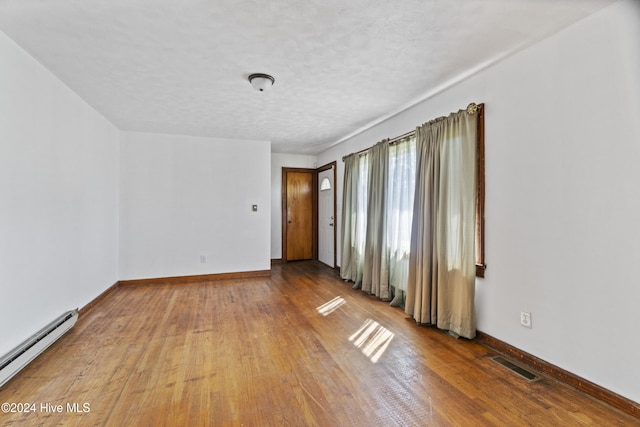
(299, 219)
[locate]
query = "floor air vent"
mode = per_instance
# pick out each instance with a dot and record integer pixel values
(515, 368)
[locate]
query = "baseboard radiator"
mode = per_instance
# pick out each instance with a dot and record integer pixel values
(12, 362)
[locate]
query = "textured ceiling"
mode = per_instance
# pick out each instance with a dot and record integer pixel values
(181, 67)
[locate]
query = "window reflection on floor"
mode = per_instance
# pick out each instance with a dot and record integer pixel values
(331, 306)
(373, 339)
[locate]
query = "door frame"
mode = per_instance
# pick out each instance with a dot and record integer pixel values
(333, 165)
(314, 210)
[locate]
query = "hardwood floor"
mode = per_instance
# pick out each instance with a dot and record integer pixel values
(299, 348)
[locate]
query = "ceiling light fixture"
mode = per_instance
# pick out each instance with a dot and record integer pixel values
(261, 81)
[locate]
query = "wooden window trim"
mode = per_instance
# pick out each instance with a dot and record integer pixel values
(481, 265)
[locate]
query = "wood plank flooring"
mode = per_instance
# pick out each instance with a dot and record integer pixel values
(299, 348)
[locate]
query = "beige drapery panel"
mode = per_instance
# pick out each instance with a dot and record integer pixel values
(353, 220)
(375, 278)
(441, 282)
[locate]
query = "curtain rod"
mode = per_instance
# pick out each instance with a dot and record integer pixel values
(471, 109)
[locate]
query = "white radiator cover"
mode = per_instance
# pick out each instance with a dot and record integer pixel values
(12, 362)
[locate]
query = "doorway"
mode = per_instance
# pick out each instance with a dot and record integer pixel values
(327, 214)
(300, 218)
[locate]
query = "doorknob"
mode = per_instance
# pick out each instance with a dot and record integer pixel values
(331, 224)
(289, 222)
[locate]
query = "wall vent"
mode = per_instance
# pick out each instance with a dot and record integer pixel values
(530, 376)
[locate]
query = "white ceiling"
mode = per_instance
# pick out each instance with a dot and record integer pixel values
(181, 66)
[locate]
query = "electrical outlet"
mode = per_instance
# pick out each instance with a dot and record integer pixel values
(203, 259)
(525, 319)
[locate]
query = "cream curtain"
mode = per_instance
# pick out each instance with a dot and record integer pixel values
(375, 278)
(441, 277)
(354, 218)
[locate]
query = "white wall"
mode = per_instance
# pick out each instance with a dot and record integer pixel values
(562, 206)
(58, 198)
(186, 197)
(279, 161)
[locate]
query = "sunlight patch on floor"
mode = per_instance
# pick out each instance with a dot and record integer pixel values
(329, 307)
(373, 339)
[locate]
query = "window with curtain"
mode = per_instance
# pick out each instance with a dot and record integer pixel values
(379, 191)
(354, 217)
(413, 220)
(400, 190)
